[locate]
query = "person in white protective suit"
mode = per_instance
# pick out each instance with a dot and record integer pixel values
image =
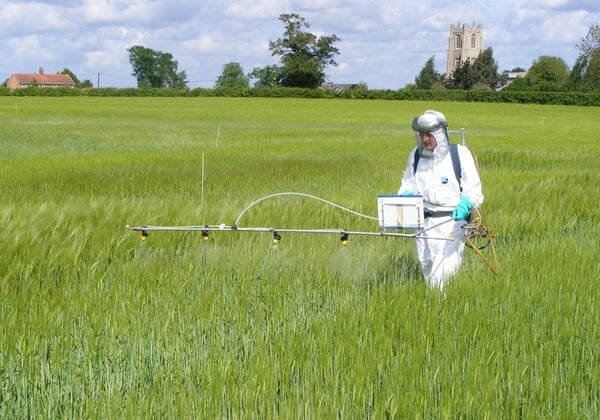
(447, 201)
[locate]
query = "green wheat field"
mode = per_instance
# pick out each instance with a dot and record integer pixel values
(96, 323)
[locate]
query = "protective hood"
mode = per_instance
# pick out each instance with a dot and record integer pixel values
(432, 122)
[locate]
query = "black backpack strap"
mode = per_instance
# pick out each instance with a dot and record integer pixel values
(416, 161)
(455, 162)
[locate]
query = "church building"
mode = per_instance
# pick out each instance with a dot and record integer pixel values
(464, 43)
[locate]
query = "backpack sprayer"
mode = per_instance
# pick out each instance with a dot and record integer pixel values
(394, 212)
(397, 216)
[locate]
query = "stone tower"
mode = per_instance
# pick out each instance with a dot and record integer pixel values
(464, 43)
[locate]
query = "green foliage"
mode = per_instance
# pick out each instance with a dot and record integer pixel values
(86, 84)
(521, 92)
(485, 69)
(155, 69)
(232, 77)
(591, 79)
(40, 91)
(577, 73)
(481, 71)
(98, 324)
(303, 55)
(520, 84)
(462, 77)
(591, 43)
(428, 77)
(548, 69)
(300, 71)
(482, 87)
(73, 77)
(268, 76)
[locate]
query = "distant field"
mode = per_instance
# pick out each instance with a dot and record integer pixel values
(98, 324)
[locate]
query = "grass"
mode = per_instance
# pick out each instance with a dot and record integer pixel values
(96, 323)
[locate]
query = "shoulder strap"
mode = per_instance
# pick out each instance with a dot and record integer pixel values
(416, 160)
(455, 162)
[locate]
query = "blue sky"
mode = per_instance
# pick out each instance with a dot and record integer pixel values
(384, 43)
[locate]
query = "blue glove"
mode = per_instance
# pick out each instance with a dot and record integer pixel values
(407, 193)
(463, 209)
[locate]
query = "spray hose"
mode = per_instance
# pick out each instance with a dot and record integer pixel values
(249, 206)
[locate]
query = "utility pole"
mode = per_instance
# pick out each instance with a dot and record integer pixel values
(98, 83)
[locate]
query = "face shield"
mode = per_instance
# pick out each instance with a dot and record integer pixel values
(432, 122)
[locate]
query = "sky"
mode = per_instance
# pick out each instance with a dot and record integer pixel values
(384, 43)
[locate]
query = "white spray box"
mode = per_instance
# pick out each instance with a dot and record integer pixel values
(400, 211)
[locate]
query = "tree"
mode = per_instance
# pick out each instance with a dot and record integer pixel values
(87, 83)
(591, 42)
(520, 84)
(428, 77)
(548, 72)
(304, 55)
(155, 69)
(267, 76)
(481, 72)
(70, 73)
(591, 79)
(462, 77)
(232, 77)
(586, 66)
(577, 72)
(485, 69)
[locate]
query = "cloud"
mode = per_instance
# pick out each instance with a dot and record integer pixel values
(252, 10)
(203, 45)
(30, 18)
(114, 12)
(31, 45)
(383, 43)
(592, 6)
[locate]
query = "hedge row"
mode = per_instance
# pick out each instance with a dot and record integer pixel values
(555, 98)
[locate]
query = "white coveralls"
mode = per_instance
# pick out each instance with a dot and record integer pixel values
(436, 181)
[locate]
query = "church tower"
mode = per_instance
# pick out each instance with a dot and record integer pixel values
(464, 43)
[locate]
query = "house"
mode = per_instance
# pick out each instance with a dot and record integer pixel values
(507, 77)
(23, 80)
(340, 86)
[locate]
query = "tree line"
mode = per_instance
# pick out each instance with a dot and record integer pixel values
(304, 56)
(546, 74)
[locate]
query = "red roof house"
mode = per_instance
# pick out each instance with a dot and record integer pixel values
(23, 80)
